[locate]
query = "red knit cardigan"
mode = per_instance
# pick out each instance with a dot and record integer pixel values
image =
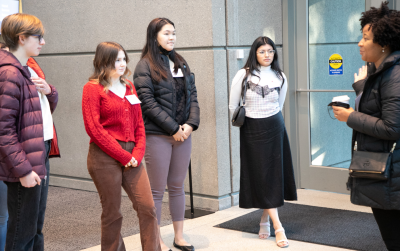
(109, 118)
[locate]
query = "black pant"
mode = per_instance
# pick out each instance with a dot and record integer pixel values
(389, 225)
(26, 209)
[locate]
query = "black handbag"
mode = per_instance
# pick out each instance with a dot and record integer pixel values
(240, 112)
(371, 165)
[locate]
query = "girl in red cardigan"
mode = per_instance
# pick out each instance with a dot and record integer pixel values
(113, 121)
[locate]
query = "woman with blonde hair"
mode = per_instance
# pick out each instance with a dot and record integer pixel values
(27, 133)
(113, 120)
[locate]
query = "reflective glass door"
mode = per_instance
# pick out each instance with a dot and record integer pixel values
(326, 34)
(334, 32)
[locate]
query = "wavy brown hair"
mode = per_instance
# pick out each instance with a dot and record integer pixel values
(152, 51)
(104, 63)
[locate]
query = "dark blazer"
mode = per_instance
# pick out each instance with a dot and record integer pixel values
(22, 147)
(376, 126)
(159, 99)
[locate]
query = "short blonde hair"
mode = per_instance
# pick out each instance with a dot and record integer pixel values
(19, 24)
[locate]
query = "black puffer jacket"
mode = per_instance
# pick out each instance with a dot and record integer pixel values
(159, 99)
(375, 128)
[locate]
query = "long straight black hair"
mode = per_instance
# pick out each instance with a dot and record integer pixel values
(252, 64)
(152, 51)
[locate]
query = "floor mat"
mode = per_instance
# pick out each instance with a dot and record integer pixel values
(320, 225)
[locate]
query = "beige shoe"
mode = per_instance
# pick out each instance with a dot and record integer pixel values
(284, 241)
(268, 232)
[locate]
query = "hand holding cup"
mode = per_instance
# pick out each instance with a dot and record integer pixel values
(341, 107)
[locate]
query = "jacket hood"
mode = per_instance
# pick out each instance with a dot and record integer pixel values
(8, 59)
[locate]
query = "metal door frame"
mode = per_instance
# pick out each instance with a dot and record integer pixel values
(297, 110)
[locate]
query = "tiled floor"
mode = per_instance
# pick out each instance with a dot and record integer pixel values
(202, 234)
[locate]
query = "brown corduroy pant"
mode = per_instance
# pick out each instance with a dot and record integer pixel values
(109, 175)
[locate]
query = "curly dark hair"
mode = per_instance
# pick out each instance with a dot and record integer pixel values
(385, 24)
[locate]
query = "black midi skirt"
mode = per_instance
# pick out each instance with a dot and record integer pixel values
(266, 169)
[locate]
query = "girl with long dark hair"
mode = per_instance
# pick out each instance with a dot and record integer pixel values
(168, 94)
(266, 170)
(113, 120)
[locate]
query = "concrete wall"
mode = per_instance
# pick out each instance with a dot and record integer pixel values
(208, 34)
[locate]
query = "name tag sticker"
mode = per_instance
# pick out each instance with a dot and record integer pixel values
(179, 74)
(133, 99)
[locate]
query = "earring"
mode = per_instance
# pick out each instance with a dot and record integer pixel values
(383, 50)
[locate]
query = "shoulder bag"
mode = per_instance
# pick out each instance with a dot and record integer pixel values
(371, 165)
(240, 112)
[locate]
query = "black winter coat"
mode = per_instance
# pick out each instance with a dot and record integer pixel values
(376, 126)
(159, 99)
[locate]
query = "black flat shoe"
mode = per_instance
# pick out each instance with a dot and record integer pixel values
(184, 248)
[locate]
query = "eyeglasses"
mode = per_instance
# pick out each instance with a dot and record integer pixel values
(270, 52)
(40, 37)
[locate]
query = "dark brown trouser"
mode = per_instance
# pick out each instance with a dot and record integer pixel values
(108, 176)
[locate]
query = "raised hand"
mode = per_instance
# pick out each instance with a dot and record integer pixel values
(362, 74)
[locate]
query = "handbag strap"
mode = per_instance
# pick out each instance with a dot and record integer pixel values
(244, 94)
(394, 146)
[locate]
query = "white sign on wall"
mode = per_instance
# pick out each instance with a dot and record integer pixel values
(8, 7)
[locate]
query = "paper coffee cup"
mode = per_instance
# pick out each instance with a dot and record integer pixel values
(343, 99)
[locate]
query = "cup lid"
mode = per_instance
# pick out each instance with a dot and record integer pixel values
(343, 99)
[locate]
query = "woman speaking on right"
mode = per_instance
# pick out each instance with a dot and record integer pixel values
(376, 120)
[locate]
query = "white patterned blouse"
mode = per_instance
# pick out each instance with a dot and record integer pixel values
(264, 96)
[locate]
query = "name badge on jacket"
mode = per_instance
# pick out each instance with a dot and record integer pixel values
(133, 99)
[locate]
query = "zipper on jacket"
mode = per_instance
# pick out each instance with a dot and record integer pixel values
(173, 86)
